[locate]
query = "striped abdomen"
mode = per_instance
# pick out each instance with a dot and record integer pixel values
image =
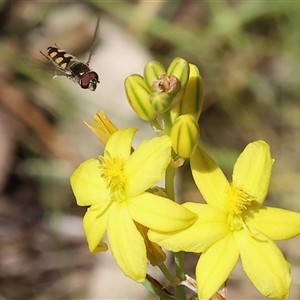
(60, 57)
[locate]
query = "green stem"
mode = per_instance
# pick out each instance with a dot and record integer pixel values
(179, 264)
(167, 123)
(167, 273)
(178, 257)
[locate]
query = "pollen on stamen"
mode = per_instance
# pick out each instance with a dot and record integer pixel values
(237, 200)
(112, 172)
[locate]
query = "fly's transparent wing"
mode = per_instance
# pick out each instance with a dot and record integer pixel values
(36, 64)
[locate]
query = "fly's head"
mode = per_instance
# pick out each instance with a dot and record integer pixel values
(89, 80)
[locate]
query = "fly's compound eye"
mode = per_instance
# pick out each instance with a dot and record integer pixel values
(89, 81)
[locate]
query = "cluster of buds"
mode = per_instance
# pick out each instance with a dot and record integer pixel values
(174, 97)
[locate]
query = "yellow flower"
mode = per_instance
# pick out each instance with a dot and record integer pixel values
(114, 187)
(234, 224)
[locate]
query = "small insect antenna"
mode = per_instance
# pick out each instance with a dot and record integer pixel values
(95, 41)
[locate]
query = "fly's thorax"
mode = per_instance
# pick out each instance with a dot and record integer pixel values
(79, 68)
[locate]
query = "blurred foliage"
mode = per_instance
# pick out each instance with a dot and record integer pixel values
(249, 59)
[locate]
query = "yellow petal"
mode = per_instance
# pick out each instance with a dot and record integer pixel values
(159, 213)
(103, 127)
(252, 170)
(209, 178)
(215, 265)
(210, 227)
(119, 144)
(147, 164)
(275, 223)
(87, 185)
(126, 243)
(94, 225)
(264, 264)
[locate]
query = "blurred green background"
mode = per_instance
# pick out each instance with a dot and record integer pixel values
(249, 58)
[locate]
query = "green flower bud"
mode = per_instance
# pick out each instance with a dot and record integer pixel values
(180, 69)
(192, 99)
(160, 101)
(162, 85)
(185, 135)
(153, 71)
(178, 74)
(167, 88)
(159, 91)
(137, 92)
(164, 96)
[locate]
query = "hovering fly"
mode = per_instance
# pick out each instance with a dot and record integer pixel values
(69, 66)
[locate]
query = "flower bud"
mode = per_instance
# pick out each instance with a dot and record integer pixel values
(160, 102)
(169, 84)
(180, 69)
(159, 91)
(185, 135)
(152, 71)
(137, 92)
(192, 100)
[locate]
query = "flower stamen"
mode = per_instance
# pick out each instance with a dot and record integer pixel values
(113, 174)
(237, 200)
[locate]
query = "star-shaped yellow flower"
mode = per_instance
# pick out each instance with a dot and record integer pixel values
(114, 186)
(234, 224)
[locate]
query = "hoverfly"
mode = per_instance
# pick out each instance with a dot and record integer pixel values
(69, 66)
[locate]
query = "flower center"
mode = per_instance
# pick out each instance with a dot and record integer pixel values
(237, 200)
(112, 172)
